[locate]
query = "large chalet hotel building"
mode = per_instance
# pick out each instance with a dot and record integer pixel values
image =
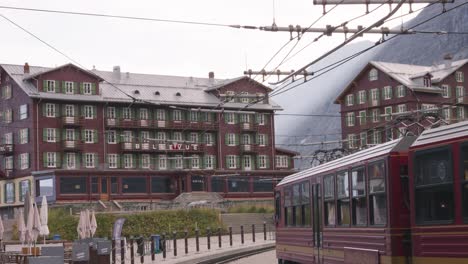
(386, 100)
(78, 135)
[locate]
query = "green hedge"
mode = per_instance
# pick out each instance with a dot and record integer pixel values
(263, 209)
(136, 224)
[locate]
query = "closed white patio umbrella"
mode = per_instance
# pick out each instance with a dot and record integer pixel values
(36, 223)
(21, 228)
(44, 218)
(93, 225)
(81, 228)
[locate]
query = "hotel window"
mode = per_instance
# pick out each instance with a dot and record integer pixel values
(446, 112)
(358, 193)
(51, 135)
(329, 200)
(373, 75)
(161, 137)
(427, 81)
(160, 114)
(342, 191)
(73, 185)
(195, 162)
(50, 159)
(434, 193)
(261, 119)
(69, 110)
(90, 160)
(460, 94)
(445, 91)
(263, 162)
(89, 112)
(377, 196)
(352, 141)
(8, 117)
(177, 115)
(9, 192)
(193, 116)
(70, 160)
(387, 92)
(9, 162)
(282, 161)
(49, 86)
(24, 161)
(128, 136)
(177, 136)
(69, 88)
(24, 136)
(24, 188)
(208, 139)
(246, 139)
(350, 100)
(111, 112)
(144, 136)
(401, 91)
(377, 137)
(362, 95)
(128, 161)
(90, 136)
(144, 114)
(230, 118)
(8, 139)
(362, 117)
(127, 113)
(134, 184)
(209, 162)
(111, 137)
(70, 134)
(50, 110)
(244, 118)
(231, 161)
(145, 161)
(162, 162)
(375, 96)
(178, 162)
(23, 113)
(388, 113)
(401, 108)
(194, 137)
(350, 119)
(262, 140)
(460, 113)
(112, 161)
(6, 92)
(363, 138)
(240, 184)
(459, 76)
(161, 184)
(87, 88)
(245, 98)
(231, 139)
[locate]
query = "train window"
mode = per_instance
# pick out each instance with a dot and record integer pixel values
(288, 212)
(296, 205)
(329, 199)
(342, 188)
(433, 186)
(377, 197)
(358, 184)
(464, 181)
(277, 206)
(305, 204)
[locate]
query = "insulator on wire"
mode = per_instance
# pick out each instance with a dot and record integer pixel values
(299, 31)
(329, 30)
(278, 72)
(324, 10)
(291, 30)
(263, 72)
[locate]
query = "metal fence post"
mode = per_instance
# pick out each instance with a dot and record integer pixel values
(208, 234)
(230, 236)
(186, 241)
(197, 242)
(152, 249)
(164, 245)
(264, 231)
(253, 233)
(132, 251)
(242, 234)
(122, 251)
(142, 256)
(114, 249)
(174, 234)
(219, 237)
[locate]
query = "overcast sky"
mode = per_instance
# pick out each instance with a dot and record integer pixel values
(166, 48)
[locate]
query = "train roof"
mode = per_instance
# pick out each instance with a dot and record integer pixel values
(442, 133)
(397, 145)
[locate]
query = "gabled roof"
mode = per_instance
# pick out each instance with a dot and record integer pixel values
(442, 133)
(230, 81)
(401, 144)
(407, 74)
(193, 91)
(47, 70)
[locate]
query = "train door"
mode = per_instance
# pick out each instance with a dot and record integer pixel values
(317, 215)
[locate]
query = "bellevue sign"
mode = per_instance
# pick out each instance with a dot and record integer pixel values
(169, 147)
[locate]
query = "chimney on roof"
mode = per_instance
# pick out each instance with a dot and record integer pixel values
(448, 60)
(211, 78)
(116, 72)
(26, 68)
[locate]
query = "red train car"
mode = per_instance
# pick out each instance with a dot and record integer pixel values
(438, 164)
(351, 210)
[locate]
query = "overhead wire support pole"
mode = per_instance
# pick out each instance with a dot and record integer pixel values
(353, 37)
(329, 30)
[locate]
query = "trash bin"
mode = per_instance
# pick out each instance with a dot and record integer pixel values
(157, 243)
(56, 237)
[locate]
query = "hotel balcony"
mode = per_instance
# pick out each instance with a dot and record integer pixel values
(71, 121)
(248, 148)
(72, 145)
(162, 124)
(248, 126)
(6, 149)
(161, 147)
